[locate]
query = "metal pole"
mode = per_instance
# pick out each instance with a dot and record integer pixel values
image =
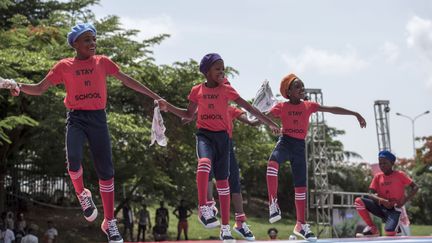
(413, 127)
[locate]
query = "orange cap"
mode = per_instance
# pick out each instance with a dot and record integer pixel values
(285, 83)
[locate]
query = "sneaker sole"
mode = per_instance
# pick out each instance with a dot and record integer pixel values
(274, 219)
(360, 235)
(92, 217)
(211, 225)
(246, 238)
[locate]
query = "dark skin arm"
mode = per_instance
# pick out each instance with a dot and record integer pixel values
(243, 118)
(342, 111)
(186, 114)
(389, 203)
(244, 104)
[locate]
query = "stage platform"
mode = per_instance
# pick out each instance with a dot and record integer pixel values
(399, 239)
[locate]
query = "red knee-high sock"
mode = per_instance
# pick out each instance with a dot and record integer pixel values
(77, 180)
(202, 175)
(363, 212)
(300, 203)
(272, 179)
(106, 189)
(224, 200)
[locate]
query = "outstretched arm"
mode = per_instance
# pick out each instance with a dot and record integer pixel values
(243, 103)
(182, 113)
(343, 111)
(135, 85)
(33, 89)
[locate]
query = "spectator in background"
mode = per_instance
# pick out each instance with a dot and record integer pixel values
(10, 223)
(51, 234)
(6, 235)
(272, 233)
(162, 216)
(128, 220)
(144, 221)
(20, 227)
(182, 213)
(31, 235)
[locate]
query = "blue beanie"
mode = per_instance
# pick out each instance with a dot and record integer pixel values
(78, 30)
(207, 61)
(387, 155)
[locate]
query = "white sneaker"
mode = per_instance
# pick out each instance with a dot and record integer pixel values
(303, 231)
(225, 233)
(275, 213)
(206, 217)
(87, 205)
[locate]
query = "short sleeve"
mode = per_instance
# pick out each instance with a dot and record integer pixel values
(374, 184)
(276, 110)
(110, 66)
(55, 75)
(193, 95)
(406, 180)
(230, 92)
(313, 106)
(235, 112)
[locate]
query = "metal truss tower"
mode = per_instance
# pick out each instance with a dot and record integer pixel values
(318, 157)
(382, 109)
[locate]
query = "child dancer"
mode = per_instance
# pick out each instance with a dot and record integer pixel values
(294, 115)
(84, 77)
(211, 99)
(240, 225)
(386, 198)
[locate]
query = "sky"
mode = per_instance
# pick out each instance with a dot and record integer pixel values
(356, 52)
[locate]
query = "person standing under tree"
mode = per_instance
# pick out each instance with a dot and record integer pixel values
(84, 77)
(182, 213)
(162, 216)
(144, 222)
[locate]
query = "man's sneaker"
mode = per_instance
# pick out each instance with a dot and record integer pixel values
(244, 231)
(206, 217)
(368, 231)
(225, 233)
(303, 231)
(275, 213)
(109, 227)
(87, 205)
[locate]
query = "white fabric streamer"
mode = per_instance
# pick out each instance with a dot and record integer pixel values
(158, 128)
(264, 100)
(8, 84)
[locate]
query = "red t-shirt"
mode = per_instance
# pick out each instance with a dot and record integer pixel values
(233, 113)
(391, 187)
(213, 106)
(295, 118)
(84, 80)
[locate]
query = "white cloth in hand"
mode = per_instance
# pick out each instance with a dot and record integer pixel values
(8, 84)
(264, 100)
(158, 128)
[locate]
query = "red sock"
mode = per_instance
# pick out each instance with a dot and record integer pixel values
(300, 203)
(202, 175)
(240, 218)
(224, 200)
(363, 212)
(77, 180)
(106, 189)
(272, 179)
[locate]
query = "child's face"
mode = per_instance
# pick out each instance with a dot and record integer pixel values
(216, 72)
(85, 45)
(385, 165)
(296, 90)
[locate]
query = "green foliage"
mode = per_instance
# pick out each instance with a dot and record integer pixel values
(12, 122)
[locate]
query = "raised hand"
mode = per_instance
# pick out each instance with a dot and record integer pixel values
(163, 105)
(361, 120)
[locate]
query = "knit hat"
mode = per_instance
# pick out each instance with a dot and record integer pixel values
(285, 83)
(387, 155)
(78, 30)
(207, 61)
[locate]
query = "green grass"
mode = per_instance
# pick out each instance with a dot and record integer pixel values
(259, 227)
